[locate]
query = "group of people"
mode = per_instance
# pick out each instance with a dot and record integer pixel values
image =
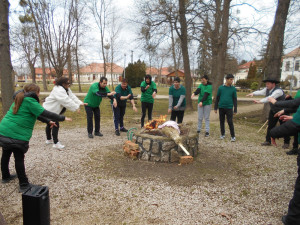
(17, 125)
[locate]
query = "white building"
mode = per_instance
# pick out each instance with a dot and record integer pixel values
(291, 68)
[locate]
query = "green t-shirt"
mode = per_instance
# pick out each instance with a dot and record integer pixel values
(226, 94)
(176, 95)
(297, 94)
(19, 126)
(91, 98)
(147, 95)
(205, 88)
(122, 92)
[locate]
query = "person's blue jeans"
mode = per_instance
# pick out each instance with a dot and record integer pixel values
(119, 113)
(204, 112)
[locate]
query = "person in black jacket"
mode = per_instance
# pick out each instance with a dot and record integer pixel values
(290, 127)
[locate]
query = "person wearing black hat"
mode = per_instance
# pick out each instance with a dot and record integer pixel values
(271, 90)
(177, 101)
(226, 100)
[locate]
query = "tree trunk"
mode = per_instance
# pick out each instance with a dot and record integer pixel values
(32, 71)
(276, 40)
(42, 57)
(185, 53)
(7, 89)
(173, 50)
(69, 65)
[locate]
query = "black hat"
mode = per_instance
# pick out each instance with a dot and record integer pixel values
(271, 80)
(228, 76)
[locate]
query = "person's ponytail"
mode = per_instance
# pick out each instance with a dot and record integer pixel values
(20, 96)
(18, 101)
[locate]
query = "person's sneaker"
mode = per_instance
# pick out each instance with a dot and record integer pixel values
(206, 134)
(266, 143)
(222, 137)
(232, 139)
(286, 146)
(198, 131)
(283, 219)
(58, 145)
(123, 129)
(294, 151)
(25, 187)
(90, 135)
(7, 180)
(98, 134)
(117, 132)
(49, 142)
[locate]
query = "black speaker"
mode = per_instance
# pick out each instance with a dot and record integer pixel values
(36, 206)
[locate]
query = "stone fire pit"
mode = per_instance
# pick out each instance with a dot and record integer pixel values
(155, 147)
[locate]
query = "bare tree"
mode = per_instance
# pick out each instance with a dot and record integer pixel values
(7, 89)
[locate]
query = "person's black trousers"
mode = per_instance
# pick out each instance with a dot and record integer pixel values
(145, 106)
(19, 164)
(295, 142)
(119, 113)
(54, 130)
(272, 121)
(229, 116)
(290, 128)
(90, 112)
(177, 114)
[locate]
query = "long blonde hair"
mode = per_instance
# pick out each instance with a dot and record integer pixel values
(20, 96)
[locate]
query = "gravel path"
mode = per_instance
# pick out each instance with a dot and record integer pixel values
(92, 182)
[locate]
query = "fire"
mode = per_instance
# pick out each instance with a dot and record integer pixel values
(153, 124)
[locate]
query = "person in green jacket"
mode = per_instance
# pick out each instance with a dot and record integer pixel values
(16, 130)
(149, 91)
(177, 101)
(123, 92)
(93, 99)
(226, 100)
(204, 103)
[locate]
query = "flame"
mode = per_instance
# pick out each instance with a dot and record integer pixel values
(153, 124)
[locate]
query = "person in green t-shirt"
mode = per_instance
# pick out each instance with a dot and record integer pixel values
(123, 92)
(96, 92)
(226, 100)
(149, 91)
(204, 103)
(16, 129)
(177, 101)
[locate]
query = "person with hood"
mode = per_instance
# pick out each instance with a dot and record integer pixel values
(271, 90)
(204, 103)
(16, 129)
(60, 99)
(177, 102)
(226, 100)
(149, 91)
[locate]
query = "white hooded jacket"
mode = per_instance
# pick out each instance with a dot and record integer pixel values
(59, 98)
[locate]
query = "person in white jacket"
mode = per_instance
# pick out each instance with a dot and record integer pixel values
(60, 99)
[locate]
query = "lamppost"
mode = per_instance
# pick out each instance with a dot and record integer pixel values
(292, 77)
(124, 64)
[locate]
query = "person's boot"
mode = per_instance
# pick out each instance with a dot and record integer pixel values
(10, 178)
(266, 143)
(294, 151)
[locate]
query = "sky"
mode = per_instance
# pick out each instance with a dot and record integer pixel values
(261, 12)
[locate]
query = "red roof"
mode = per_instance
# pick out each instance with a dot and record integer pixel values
(246, 65)
(294, 53)
(49, 71)
(99, 68)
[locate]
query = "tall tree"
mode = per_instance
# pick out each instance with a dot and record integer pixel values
(7, 89)
(184, 46)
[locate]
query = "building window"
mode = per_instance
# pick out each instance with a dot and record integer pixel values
(297, 65)
(287, 66)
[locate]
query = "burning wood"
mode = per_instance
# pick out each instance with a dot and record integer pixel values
(153, 124)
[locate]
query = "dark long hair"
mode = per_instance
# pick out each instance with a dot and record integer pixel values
(62, 80)
(20, 96)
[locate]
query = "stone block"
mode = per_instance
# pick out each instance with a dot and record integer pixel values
(165, 156)
(147, 144)
(131, 145)
(166, 146)
(155, 147)
(145, 156)
(155, 158)
(174, 156)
